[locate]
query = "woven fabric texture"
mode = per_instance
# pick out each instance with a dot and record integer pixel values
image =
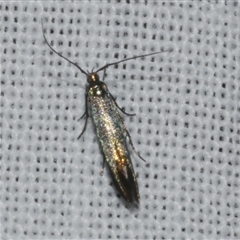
(186, 124)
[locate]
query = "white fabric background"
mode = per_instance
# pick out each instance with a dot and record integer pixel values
(186, 124)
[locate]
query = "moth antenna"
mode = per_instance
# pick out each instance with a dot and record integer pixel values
(60, 55)
(124, 60)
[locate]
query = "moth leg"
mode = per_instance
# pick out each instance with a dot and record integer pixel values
(84, 114)
(131, 143)
(128, 114)
(103, 166)
(104, 73)
(84, 128)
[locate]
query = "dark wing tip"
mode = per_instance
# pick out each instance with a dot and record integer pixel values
(127, 184)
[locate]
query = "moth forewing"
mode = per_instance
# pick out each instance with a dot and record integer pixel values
(111, 133)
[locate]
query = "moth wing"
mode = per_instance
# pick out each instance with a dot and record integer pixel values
(123, 174)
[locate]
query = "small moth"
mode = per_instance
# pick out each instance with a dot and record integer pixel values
(110, 128)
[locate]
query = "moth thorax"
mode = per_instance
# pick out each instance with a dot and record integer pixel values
(98, 90)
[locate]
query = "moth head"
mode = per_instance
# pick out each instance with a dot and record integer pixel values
(92, 78)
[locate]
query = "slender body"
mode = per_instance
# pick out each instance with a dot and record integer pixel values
(112, 133)
(110, 129)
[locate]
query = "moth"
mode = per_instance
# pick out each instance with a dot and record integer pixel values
(110, 128)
